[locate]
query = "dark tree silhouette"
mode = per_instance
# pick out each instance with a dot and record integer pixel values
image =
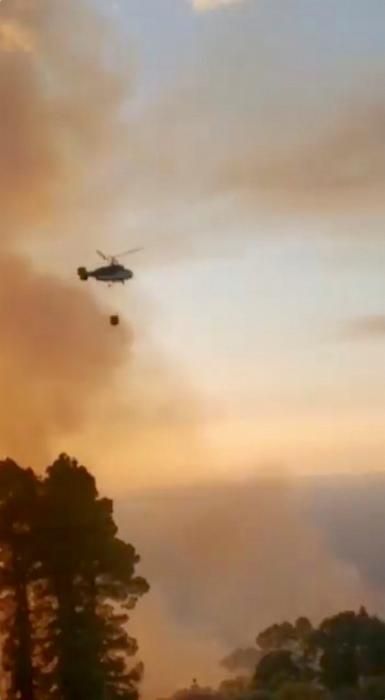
(342, 659)
(276, 668)
(67, 584)
(352, 646)
(277, 637)
(18, 568)
(344, 655)
(92, 577)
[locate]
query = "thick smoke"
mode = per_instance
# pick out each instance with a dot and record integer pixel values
(223, 562)
(226, 561)
(60, 97)
(349, 509)
(62, 94)
(56, 353)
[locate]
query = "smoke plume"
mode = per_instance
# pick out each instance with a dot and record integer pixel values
(226, 561)
(56, 352)
(61, 95)
(223, 562)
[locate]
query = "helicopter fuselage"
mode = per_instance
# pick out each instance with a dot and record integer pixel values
(107, 273)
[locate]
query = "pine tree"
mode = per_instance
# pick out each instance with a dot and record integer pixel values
(18, 568)
(67, 584)
(92, 576)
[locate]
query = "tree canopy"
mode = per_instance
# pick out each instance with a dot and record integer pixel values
(67, 584)
(341, 659)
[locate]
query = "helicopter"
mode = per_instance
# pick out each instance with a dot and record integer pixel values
(112, 272)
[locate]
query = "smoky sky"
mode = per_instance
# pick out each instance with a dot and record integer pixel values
(61, 102)
(365, 328)
(61, 121)
(223, 561)
(227, 560)
(56, 351)
(350, 511)
(274, 113)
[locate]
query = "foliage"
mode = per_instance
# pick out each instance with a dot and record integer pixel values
(352, 646)
(343, 657)
(19, 566)
(277, 637)
(276, 668)
(373, 688)
(67, 584)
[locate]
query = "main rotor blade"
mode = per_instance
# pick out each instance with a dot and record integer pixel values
(99, 252)
(127, 252)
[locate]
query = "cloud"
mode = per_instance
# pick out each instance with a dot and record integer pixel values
(205, 150)
(341, 168)
(262, 124)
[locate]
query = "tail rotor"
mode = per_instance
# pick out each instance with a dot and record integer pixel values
(83, 274)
